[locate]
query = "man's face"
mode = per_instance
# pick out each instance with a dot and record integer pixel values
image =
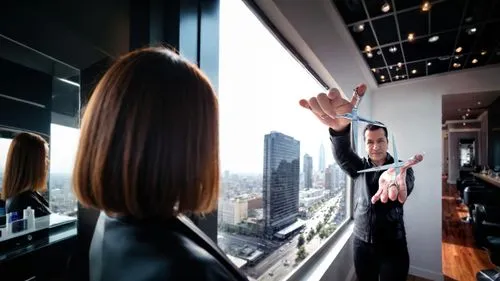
(376, 144)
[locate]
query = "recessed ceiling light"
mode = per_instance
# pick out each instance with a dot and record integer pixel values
(370, 55)
(479, 102)
(411, 37)
(368, 48)
(402, 76)
(463, 123)
(386, 7)
(359, 27)
(458, 50)
(433, 39)
(456, 65)
(426, 6)
(483, 53)
(382, 77)
(400, 64)
(374, 70)
(471, 30)
(393, 49)
(414, 71)
(390, 67)
(429, 63)
(467, 114)
(397, 77)
(474, 61)
(468, 109)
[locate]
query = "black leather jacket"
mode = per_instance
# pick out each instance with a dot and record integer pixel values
(176, 250)
(28, 199)
(373, 223)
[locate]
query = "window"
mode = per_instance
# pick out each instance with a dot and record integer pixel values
(63, 146)
(282, 195)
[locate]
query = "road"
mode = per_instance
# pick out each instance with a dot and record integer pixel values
(276, 268)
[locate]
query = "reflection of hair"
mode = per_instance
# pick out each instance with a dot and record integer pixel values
(372, 127)
(26, 166)
(149, 142)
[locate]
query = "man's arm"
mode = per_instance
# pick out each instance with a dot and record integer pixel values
(343, 154)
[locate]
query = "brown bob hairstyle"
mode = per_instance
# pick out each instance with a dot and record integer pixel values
(149, 143)
(26, 166)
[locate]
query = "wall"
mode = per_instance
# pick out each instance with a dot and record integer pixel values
(483, 139)
(494, 134)
(453, 152)
(418, 131)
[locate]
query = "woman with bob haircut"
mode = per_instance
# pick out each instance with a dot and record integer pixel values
(25, 175)
(148, 155)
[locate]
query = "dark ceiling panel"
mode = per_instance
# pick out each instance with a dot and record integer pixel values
(351, 11)
(385, 28)
(414, 21)
(446, 15)
(452, 35)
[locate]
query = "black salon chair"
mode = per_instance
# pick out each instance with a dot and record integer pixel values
(472, 195)
(493, 246)
(486, 222)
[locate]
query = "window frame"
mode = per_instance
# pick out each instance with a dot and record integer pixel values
(209, 223)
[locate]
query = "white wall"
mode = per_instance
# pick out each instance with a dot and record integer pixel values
(418, 130)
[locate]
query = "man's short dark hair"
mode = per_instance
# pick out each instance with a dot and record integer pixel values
(373, 127)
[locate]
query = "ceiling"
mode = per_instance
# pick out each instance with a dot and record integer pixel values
(467, 33)
(466, 107)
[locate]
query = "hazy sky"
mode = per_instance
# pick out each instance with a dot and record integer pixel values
(260, 85)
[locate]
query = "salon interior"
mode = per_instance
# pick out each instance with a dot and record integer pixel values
(432, 69)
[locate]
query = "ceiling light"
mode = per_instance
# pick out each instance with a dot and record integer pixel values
(474, 61)
(370, 55)
(397, 68)
(390, 67)
(468, 19)
(426, 6)
(393, 49)
(479, 102)
(379, 52)
(483, 53)
(429, 63)
(467, 114)
(359, 27)
(433, 39)
(414, 71)
(402, 76)
(397, 77)
(471, 30)
(386, 7)
(463, 117)
(458, 56)
(411, 37)
(458, 50)
(374, 70)
(400, 64)
(456, 65)
(463, 123)
(468, 109)
(368, 48)
(382, 77)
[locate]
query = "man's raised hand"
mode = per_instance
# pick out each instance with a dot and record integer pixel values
(327, 106)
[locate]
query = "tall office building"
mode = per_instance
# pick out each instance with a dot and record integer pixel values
(308, 171)
(321, 158)
(280, 181)
(329, 177)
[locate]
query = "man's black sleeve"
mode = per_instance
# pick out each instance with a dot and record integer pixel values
(410, 181)
(343, 154)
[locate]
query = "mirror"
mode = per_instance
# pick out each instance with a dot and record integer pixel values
(467, 153)
(38, 95)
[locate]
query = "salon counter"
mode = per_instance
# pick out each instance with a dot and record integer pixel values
(43, 255)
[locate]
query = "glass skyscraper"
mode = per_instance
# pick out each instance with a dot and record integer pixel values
(280, 181)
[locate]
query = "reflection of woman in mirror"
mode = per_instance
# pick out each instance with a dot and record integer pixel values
(26, 174)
